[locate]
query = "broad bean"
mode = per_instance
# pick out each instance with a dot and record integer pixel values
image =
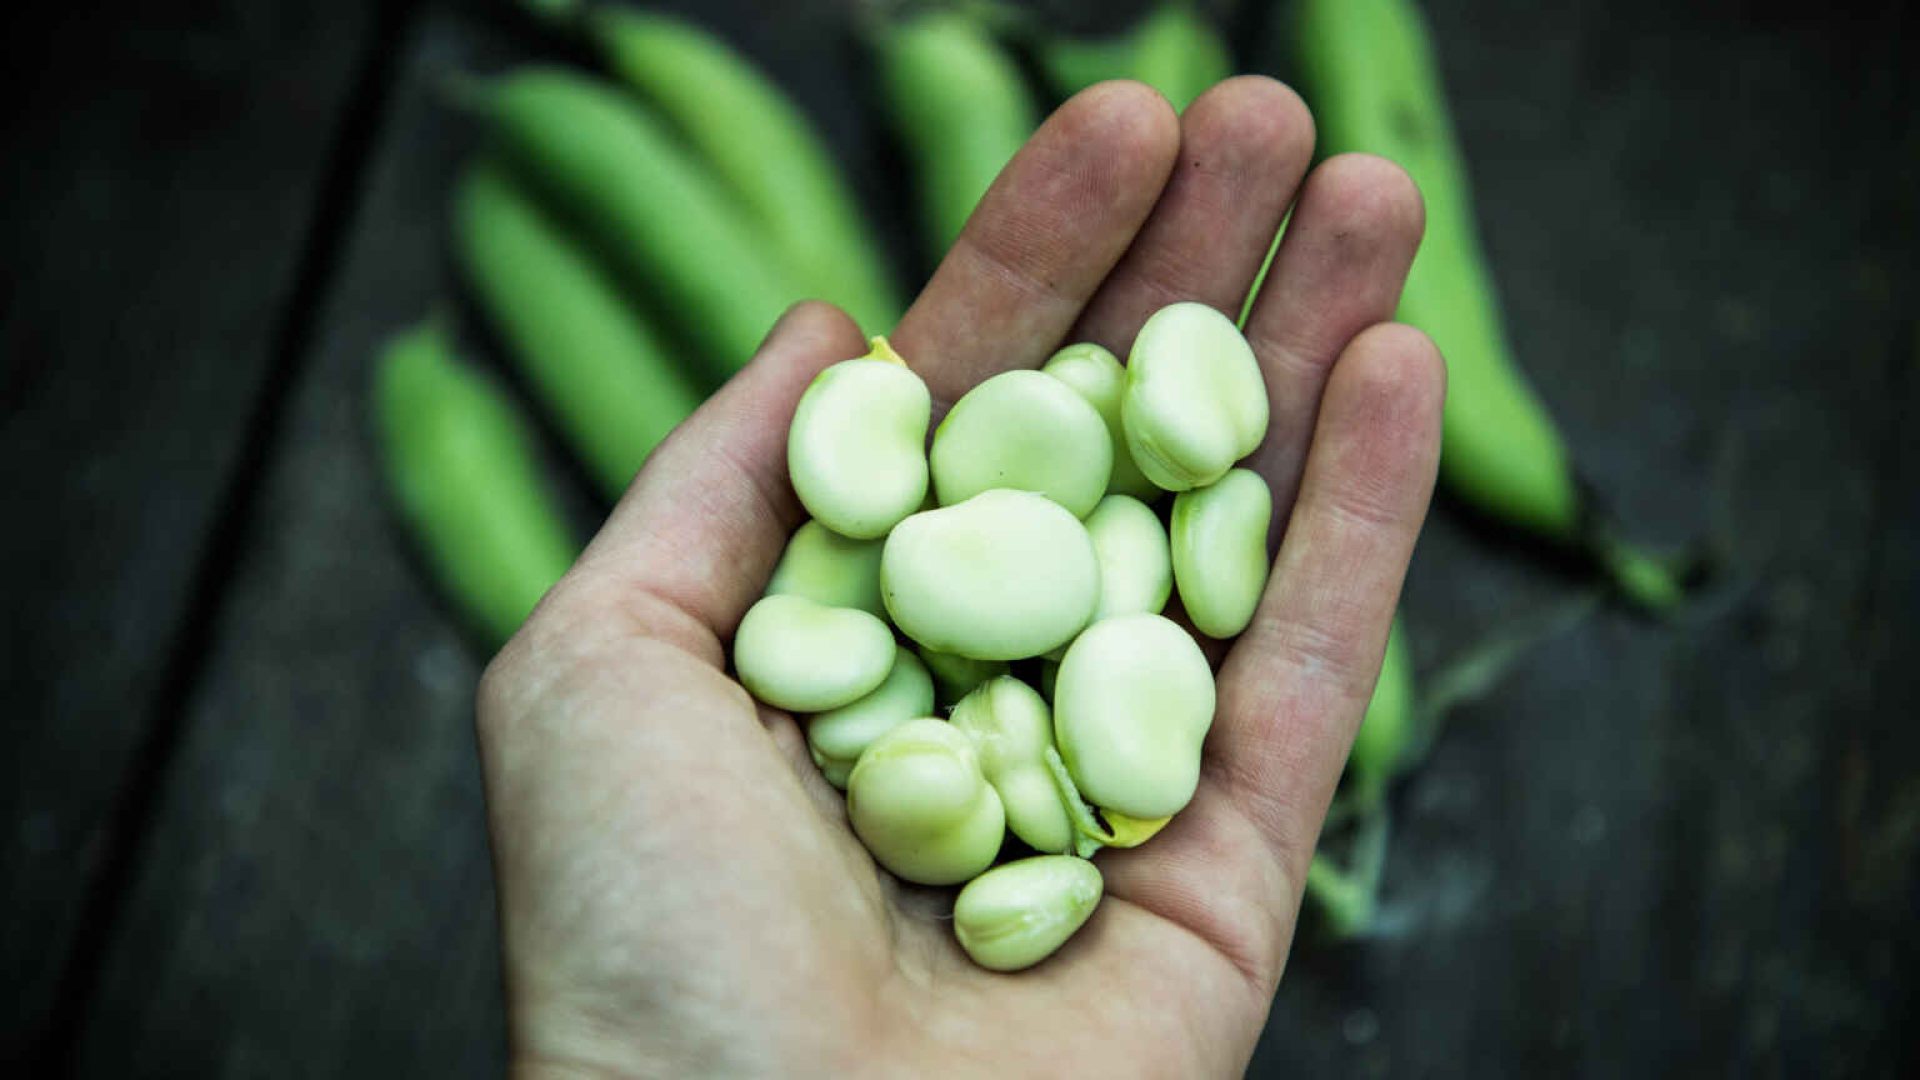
(1195, 401)
(1002, 576)
(1011, 730)
(856, 449)
(1220, 551)
(1097, 375)
(1016, 915)
(1025, 431)
(1136, 569)
(830, 569)
(919, 802)
(956, 676)
(801, 656)
(836, 738)
(1131, 706)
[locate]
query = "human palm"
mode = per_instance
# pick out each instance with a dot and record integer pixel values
(680, 893)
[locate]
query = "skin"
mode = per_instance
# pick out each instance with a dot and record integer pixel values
(678, 889)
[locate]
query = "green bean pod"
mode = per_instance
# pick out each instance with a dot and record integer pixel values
(1174, 49)
(958, 102)
(1385, 733)
(761, 146)
(1369, 69)
(463, 474)
(664, 221)
(604, 374)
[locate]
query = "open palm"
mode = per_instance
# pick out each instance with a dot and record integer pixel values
(679, 891)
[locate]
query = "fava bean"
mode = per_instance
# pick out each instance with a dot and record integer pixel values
(1097, 375)
(1220, 551)
(1002, 576)
(1131, 706)
(836, 738)
(805, 657)
(1016, 915)
(956, 676)
(856, 450)
(1025, 431)
(1105, 828)
(830, 569)
(1136, 569)
(1195, 401)
(1011, 730)
(921, 805)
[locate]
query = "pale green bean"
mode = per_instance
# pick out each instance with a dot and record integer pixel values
(795, 654)
(1016, 915)
(830, 569)
(1011, 730)
(836, 738)
(1097, 375)
(1196, 401)
(1025, 431)
(857, 448)
(1002, 576)
(1132, 704)
(919, 802)
(1220, 551)
(1136, 568)
(954, 677)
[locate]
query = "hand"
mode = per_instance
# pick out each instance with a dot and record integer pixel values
(679, 891)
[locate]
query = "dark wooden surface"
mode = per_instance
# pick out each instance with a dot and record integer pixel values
(244, 820)
(161, 197)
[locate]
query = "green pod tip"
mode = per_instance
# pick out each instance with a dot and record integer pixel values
(1649, 583)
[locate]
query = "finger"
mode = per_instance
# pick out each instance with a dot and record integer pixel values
(1339, 270)
(1042, 239)
(1298, 680)
(691, 544)
(1293, 689)
(1244, 145)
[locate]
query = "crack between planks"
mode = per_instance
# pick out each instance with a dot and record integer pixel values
(124, 838)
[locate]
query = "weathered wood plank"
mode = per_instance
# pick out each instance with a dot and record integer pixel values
(162, 168)
(1634, 860)
(316, 897)
(1657, 848)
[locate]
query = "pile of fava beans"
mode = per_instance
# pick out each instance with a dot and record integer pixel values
(972, 631)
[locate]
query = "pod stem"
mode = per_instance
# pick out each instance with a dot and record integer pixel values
(463, 91)
(1649, 583)
(559, 14)
(1347, 899)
